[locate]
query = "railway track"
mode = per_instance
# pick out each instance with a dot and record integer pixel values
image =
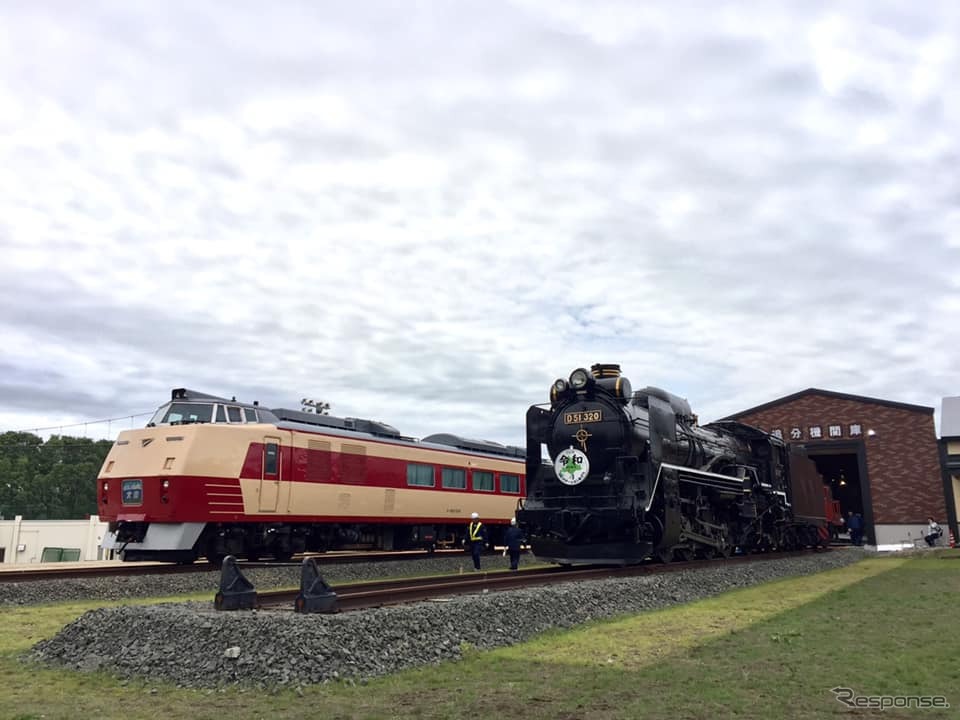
(366, 595)
(15, 573)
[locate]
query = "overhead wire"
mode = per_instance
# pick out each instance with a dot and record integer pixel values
(131, 417)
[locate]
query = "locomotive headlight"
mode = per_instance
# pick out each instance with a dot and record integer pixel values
(165, 484)
(106, 486)
(579, 379)
(558, 388)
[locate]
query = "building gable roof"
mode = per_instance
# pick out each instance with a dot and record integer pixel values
(838, 396)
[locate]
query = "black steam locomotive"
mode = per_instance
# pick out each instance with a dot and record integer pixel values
(632, 475)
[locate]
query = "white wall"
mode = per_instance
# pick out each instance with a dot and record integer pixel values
(895, 534)
(23, 541)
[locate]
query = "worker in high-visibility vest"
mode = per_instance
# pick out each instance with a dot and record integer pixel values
(476, 538)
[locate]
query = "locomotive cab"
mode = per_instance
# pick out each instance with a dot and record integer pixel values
(187, 407)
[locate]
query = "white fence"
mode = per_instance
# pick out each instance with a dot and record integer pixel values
(23, 541)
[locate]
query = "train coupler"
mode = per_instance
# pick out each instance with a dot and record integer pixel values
(236, 592)
(315, 595)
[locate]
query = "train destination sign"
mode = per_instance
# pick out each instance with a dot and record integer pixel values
(584, 416)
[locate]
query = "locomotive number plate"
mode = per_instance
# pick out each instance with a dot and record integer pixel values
(585, 416)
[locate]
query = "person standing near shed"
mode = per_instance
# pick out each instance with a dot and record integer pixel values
(476, 536)
(513, 539)
(855, 526)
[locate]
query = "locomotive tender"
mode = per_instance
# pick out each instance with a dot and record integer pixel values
(210, 476)
(632, 475)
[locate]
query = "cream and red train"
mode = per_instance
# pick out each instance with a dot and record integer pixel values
(210, 476)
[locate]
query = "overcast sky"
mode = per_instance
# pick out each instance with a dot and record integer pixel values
(423, 213)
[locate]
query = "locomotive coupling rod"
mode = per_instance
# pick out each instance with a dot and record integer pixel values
(315, 595)
(236, 592)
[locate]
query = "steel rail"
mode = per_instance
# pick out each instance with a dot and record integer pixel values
(366, 595)
(15, 573)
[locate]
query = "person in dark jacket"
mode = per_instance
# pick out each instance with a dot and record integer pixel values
(855, 526)
(513, 539)
(476, 538)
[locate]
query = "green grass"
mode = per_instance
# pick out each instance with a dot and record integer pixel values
(882, 626)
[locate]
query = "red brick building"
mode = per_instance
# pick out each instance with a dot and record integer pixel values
(881, 458)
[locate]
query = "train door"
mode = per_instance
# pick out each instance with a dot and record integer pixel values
(271, 471)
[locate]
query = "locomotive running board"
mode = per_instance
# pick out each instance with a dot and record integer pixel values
(707, 479)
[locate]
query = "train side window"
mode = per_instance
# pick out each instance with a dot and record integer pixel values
(510, 484)
(233, 414)
(420, 475)
(271, 455)
(482, 481)
(454, 478)
(221, 415)
(250, 414)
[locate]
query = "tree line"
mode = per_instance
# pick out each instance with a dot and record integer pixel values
(54, 479)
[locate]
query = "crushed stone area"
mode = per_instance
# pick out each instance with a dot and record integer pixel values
(191, 645)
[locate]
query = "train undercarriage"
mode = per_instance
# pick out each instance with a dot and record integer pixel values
(186, 542)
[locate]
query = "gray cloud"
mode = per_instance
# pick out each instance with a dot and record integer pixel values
(426, 215)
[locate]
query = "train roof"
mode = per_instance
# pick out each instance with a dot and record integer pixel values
(346, 427)
(188, 395)
(482, 446)
(371, 427)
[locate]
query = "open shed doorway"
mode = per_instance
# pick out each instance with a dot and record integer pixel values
(840, 472)
(843, 467)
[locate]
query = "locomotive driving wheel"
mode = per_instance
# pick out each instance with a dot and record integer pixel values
(790, 541)
(723, 548)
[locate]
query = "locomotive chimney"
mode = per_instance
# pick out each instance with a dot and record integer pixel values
(608, 370)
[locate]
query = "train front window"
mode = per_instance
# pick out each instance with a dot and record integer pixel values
(179, 413)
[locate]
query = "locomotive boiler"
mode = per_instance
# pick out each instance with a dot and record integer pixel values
(619, 476)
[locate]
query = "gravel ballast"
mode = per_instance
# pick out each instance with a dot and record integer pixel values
(192, 645)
